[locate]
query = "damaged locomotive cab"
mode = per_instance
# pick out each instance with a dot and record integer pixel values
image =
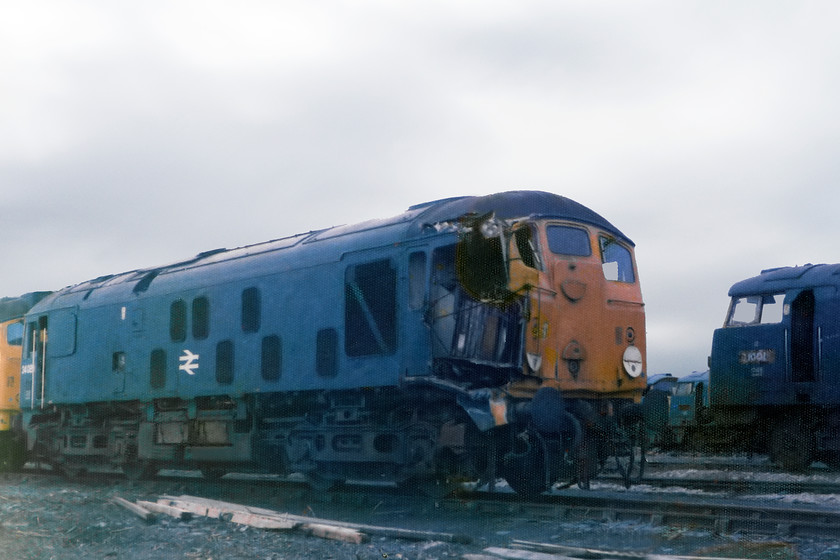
(496, 262)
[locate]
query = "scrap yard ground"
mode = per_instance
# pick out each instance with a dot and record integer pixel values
(44, 517)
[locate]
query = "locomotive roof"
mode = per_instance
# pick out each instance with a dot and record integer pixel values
(515, 204)
(315, 247)
(14, 307)
(695, 376)
(774, 280)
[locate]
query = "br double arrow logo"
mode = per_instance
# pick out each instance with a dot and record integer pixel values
(189, 362)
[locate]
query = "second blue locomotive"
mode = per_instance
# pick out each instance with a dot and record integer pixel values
(775, 364)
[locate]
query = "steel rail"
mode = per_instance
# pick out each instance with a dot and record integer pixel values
(721, 515)
(734, 485)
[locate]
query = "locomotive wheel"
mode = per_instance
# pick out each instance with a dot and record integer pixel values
(524, 465)
(565, 455)
(792, 444)
(629, 447)
(587, 461)
(630, 460)
(443, 483)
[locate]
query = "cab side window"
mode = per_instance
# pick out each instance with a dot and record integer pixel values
(178, 321)
(251, 308)
(616, 260)
(14, 334)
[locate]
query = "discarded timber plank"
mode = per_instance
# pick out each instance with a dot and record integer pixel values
(259, 521)
(518, 554)
(574, 551)
(214, 509)
(171, 511)
(399, 532)
(335, 533)
(669, 557)
(220, 509)
(197, 509)
(139, 511)
(595, 554)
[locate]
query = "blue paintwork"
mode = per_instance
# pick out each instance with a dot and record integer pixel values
(661, 382)
(788, 278)
(301, 281)
(736, 382)
(691, 393)
(655, 403)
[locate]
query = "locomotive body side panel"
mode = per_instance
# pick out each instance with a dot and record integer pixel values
(393, 349)
(301, 296)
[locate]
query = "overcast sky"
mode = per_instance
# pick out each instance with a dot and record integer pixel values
(135, 134)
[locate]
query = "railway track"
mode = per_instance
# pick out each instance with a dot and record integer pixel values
(736, 486)
(720, 515)
(723, 515)
(732, 475)
(733, 463)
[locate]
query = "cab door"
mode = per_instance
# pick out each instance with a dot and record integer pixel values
(33, 364)
(803, 338)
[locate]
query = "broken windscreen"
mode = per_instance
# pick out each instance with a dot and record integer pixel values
(616, 261)
(756, 310)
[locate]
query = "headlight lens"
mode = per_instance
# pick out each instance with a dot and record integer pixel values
(632, 361)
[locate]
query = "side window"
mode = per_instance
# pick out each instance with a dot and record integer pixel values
(200, 318)
(31, 339)
(616, 261)
(568, 240)
(118, 361)
(416, 280)
(157, 369)
(36, 333)
(224, 362)
(370, 309)
(14, 334)
(251, 309)
(178, 321)
(326, 353)
(772, 309)
(272, 358)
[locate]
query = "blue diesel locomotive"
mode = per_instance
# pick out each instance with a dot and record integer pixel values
(688, 410)
(775, 365)
(467, 338)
